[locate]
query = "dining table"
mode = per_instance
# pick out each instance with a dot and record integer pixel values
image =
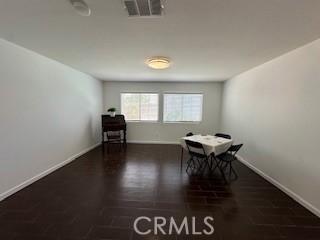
(212, 145)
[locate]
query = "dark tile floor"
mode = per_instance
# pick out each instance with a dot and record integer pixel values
(99, 197)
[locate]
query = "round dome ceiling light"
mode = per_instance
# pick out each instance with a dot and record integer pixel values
(158, 62)
(81, 7)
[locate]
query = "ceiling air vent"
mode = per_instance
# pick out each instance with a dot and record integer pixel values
(143, 8)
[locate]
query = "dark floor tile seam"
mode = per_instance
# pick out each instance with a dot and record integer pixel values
(247, 197)
(253, 187)
(309, 217)
(125, 202)
(51, 225)
(276, 206)
(195, 198)
(140, 208)
(300, 207)
(206, 201)
(138, 199)
(112, 221)
(88, 233)
(303, 225)
(17, 221)
(131, 236)
(308, 227)
(111, 227)
(137, 208)
(290, 214)
(101, 211)
(206, 190)
(272, 224)
(225, 208)
(219, 191)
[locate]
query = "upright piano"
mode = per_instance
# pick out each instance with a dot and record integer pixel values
(114, 124)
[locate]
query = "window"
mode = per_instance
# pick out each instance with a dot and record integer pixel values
(140, 106)
(179, 107)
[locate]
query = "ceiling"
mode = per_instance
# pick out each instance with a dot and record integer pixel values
(207, 40)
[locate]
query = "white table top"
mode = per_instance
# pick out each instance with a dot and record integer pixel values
(211, 144)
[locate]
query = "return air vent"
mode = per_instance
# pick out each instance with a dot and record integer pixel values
(143, 8)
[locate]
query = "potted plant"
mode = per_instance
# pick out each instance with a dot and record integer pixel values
(112, 111)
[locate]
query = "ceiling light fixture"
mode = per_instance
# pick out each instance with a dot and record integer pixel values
(81, 7)
(158, 62)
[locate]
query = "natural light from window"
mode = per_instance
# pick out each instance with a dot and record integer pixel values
(182, 107)
(140, 106)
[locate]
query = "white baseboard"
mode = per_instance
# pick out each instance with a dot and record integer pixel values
(153, 142)
(289, 192)
(45, 173)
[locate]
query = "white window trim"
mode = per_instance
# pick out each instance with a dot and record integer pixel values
(182, 122)
(141, 121)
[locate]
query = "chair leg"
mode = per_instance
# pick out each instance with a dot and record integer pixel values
(234, 172)
(206, 164)
(213, 159)
(200, 165)
(224, 165)
(221, 171)
(102, 142)
(189, 164)
(210, 162)
(181, 158)
(214, 162)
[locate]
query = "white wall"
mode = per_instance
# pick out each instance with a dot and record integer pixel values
(274, 110)
(167, 132)
(48, 113)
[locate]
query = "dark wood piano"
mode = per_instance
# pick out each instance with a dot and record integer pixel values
(114, 130)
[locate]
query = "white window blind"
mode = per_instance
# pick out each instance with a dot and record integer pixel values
(140, 106)
(182, 107)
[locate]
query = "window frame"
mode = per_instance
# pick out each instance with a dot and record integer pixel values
(143, 121)
(182, 93)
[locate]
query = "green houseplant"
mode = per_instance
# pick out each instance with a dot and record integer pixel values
(112, 111)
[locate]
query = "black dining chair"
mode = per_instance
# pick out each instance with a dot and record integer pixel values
(226, 159)
(198, 157)
(114, 137)
(223, 135)
(189, 134)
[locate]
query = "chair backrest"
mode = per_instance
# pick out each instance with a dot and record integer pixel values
(235, 148)
(195, 148)
(223, 135)
(189, 134)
